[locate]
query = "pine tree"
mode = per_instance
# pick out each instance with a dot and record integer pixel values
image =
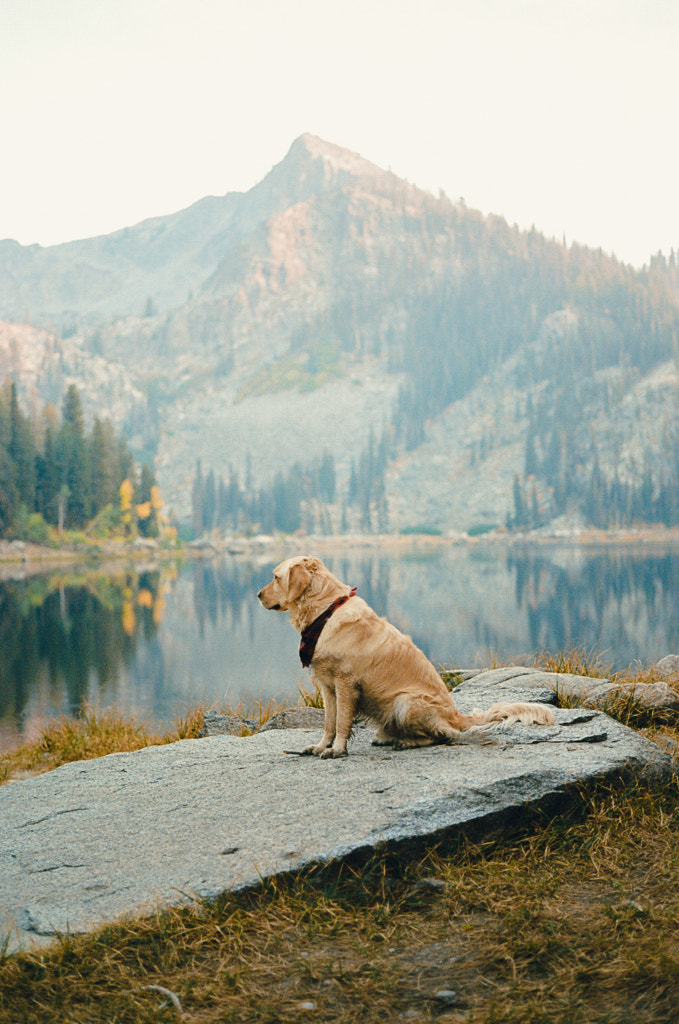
(197, 502)
(22, 453)
(147, 524)
(105, 467)
(72, 458)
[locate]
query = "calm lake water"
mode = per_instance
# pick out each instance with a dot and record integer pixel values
(157, 642)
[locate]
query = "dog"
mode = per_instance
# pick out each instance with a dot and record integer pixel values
(366, 668)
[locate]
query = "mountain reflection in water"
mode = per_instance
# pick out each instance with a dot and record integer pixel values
(154, 643)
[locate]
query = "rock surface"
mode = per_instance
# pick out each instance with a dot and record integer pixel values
(215, 724)
(589, 691)
(668, 667)
(94, 840)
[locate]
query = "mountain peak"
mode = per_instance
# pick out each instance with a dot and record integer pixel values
(335, 157)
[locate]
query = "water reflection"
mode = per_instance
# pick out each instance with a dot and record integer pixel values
(155, 642)
(625, 602)
(64, 636)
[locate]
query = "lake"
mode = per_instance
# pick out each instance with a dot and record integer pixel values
(156, 642)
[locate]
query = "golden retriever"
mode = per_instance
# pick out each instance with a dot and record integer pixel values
(366, 668)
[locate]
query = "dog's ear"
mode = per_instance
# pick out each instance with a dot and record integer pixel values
(299, 579)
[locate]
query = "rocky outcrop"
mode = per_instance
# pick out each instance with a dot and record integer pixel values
(94, 840)
(589, 691)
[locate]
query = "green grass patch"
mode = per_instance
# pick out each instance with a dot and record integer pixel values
(421, 528)
(303, 371)
(478, 529)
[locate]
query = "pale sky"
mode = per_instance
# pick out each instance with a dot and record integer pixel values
(558, 113)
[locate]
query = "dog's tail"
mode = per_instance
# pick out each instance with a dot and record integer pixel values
(502, 715)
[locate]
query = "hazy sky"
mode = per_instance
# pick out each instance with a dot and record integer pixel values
(561, 113)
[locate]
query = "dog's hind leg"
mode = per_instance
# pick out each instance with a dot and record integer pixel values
(417, 723)
(382, 738)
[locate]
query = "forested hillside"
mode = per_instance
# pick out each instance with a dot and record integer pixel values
(454, 371)
(54, 472)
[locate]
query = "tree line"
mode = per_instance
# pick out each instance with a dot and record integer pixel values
(562, 465)
(301, 497)
(54, 472)
(292, 501)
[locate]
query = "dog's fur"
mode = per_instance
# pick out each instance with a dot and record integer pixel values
(366, 668)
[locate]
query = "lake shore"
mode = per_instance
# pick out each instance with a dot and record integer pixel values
(21, 559)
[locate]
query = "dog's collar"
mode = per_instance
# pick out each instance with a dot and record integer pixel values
(312, 632)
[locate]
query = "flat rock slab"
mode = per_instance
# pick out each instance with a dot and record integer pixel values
(93, 840)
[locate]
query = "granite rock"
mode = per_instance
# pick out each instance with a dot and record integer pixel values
(126, 833)
(668, 667)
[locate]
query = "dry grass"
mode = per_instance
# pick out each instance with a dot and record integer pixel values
(578, 661)
(310, 698)
(96, 733)
(91, 734)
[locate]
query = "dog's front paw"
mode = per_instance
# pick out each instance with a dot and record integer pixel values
(316, 750)
(331, 752)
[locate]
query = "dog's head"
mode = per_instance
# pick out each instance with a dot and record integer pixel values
(291, 580)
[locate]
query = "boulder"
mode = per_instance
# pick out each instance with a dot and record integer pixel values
(590, 691)
(215, 724)
(126, 833)
(667, 667)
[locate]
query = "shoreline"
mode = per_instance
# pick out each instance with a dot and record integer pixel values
(36, 558)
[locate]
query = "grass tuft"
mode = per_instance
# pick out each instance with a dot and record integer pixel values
(310, 698)
(91, 734)
(578, 661)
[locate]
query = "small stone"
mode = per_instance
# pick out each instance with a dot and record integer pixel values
(434, 885)
(629, 905)
(215, 724)
(446, 996)
(667, 743)
(307, 1005)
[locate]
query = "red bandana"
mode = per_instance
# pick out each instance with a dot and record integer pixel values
(312, 632)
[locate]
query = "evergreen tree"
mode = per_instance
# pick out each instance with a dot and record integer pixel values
(326, 478)
(198, 502)
(73, 461)
(22, 453)
(105, 466)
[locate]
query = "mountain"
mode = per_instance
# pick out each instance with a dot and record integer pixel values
(164, 259)
(460, 372)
